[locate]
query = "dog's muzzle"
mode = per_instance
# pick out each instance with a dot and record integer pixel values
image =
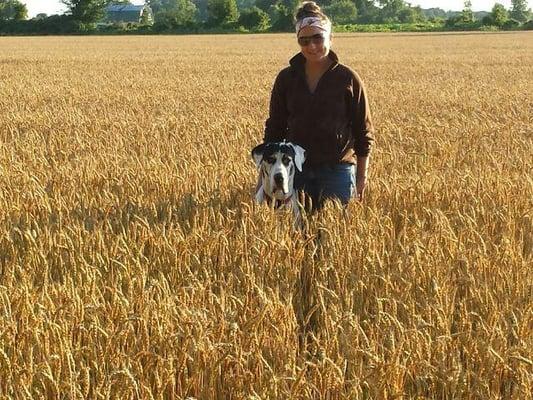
(278, 180)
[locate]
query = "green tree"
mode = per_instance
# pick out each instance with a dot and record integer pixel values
(86, 11)
(390, 10)
(367, 11)
(221, 11)
(418, 14)
(183, 16)
(245, 4)
(411, 14)
(162, 5)
(147, 18)
(282, 15)
(201, 6)
(254, 19)
(341, 11)
(434, 13)
(519, 10)
(499, 15)
(282, 18)
(467, 15)
(265, 4)
(12, 10)
(155, 5)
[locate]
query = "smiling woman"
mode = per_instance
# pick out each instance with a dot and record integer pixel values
(321, 105)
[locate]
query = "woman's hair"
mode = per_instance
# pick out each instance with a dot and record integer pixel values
(310, 9)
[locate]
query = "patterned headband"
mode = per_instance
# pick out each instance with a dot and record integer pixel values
(313, 21)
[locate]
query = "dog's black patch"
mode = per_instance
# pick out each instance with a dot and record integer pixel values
(288, 150)
(269, 149)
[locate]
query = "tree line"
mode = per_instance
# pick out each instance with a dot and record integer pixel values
(257, 16)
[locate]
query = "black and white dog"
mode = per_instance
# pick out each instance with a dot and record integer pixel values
(276, 163)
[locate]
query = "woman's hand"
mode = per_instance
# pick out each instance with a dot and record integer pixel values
(360, 183)
(360, 176)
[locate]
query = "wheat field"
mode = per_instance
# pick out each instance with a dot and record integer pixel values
(134, 264)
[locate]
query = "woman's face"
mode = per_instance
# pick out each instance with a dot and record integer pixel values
(314, 44)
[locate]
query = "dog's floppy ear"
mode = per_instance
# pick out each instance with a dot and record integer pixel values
(299, 156)
(257, 154)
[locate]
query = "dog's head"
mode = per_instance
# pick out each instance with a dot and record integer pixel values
(277, 163)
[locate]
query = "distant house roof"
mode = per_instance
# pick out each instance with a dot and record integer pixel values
(126, 12)
(124, 8)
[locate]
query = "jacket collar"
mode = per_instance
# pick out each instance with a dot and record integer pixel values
(298, 61)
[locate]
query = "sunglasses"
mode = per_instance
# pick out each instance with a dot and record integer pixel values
(317, 39)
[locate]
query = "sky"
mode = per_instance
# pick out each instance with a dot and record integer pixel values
(56, 7)
(51, 6)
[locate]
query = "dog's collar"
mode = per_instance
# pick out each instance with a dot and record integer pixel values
(278, 203)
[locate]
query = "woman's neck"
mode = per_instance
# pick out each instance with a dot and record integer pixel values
(320, 66)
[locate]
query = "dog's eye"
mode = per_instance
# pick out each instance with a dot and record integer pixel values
(286, 160)
(270, 160)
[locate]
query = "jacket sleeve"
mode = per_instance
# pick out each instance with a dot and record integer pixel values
(362, 128)
(276, 124)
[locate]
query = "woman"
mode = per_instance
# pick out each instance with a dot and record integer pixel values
(321, 105)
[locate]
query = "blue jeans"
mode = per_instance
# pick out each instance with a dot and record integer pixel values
(326, 182)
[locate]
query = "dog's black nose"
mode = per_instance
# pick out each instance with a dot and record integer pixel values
(278, 178)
